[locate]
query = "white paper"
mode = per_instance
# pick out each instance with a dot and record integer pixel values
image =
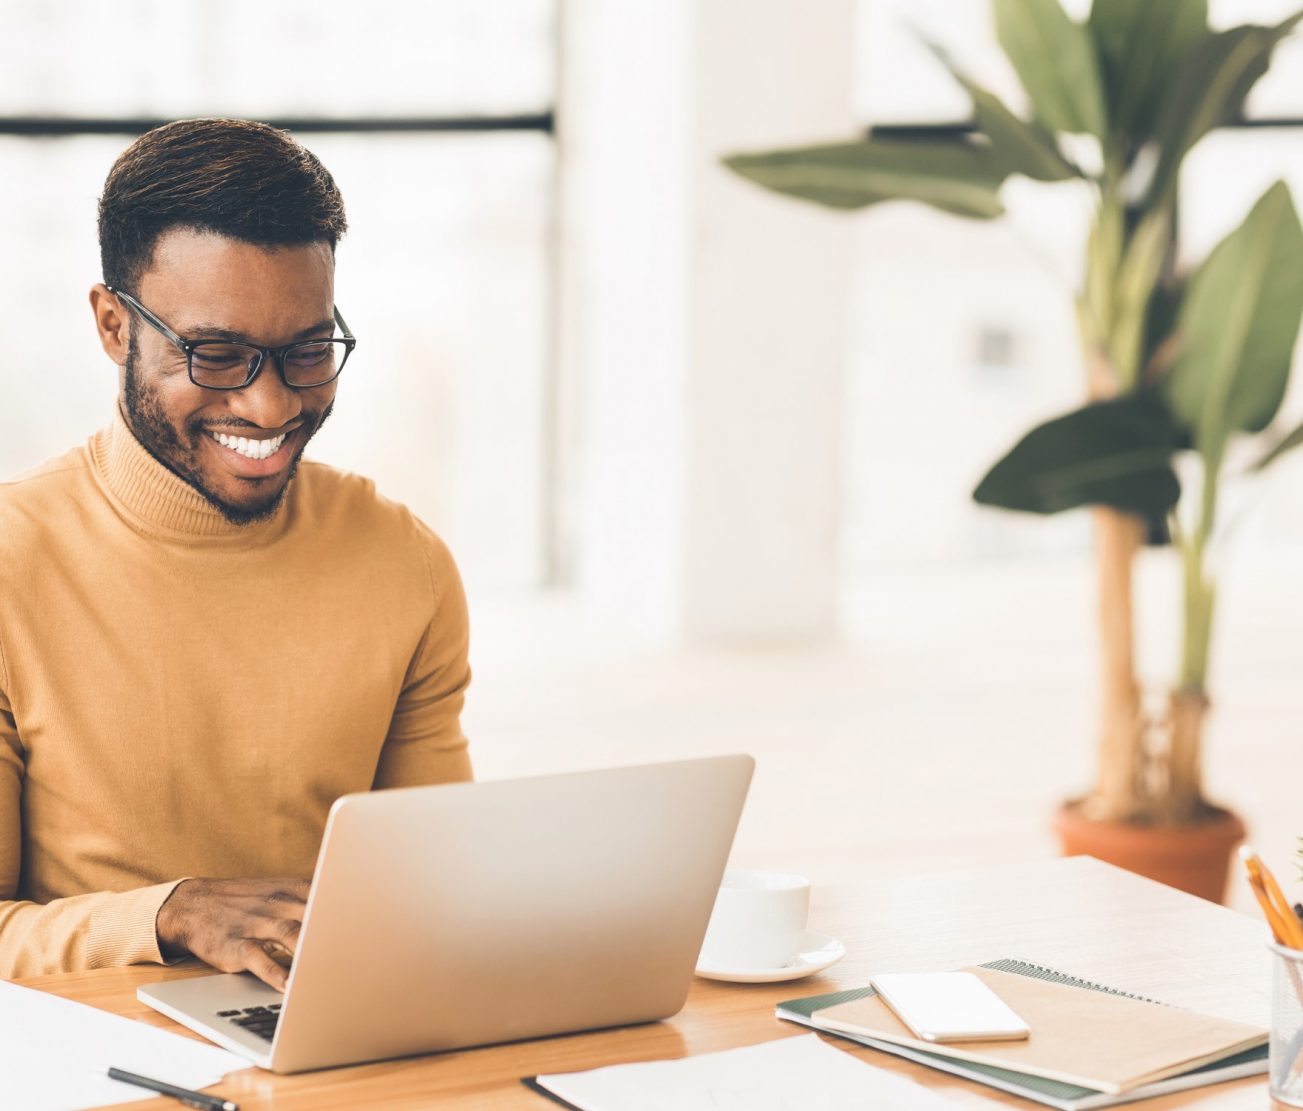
(50, 1048)
(791, 1074)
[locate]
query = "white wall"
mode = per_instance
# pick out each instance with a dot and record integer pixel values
(703, 323)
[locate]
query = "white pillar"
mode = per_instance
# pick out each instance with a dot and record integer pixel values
(703, 321)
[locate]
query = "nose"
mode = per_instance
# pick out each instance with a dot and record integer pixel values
(267, 401)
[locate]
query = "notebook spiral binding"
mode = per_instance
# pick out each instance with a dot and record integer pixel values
(1040, 972)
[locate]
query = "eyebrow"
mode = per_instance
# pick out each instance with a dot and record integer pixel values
(213, 331)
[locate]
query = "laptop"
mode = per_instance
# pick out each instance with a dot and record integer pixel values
(474, 913)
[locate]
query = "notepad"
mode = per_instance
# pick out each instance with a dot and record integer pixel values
(52, 1047)
(1056, 1093)
(1101, 1041)
(773, 1076)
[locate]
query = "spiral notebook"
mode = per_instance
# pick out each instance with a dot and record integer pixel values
(1054, 1092)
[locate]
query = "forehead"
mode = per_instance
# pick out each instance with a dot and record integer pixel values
(198, 277)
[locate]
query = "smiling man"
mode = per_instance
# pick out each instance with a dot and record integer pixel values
(204, 639)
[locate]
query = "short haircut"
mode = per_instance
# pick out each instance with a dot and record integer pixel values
(237, 178)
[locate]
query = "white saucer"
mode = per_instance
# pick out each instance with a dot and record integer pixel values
(818, 951)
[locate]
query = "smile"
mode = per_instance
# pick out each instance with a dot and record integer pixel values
(250, 449)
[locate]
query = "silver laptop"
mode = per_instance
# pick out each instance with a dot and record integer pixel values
(462, 915)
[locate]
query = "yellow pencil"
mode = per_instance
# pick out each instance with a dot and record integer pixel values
(1295, 928)
(1268, 911)
(1280, 915)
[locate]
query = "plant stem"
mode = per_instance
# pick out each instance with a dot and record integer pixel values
(1188, 706)
(1118, 791)
(1119, 787)
(1200, 592)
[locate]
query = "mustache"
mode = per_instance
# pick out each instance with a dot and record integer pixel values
(308, 422)
(236, 423)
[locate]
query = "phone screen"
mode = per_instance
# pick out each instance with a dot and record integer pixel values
(949, 1007)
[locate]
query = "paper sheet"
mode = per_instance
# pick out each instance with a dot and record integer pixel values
(50, 1048)
(791, 1074)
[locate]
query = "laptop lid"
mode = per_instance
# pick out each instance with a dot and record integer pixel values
(461, 915)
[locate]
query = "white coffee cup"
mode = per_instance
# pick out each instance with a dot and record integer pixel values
(758, 920)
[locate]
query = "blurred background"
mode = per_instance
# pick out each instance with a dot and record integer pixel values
(704, 455)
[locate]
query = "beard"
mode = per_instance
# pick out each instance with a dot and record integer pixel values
(179, 451)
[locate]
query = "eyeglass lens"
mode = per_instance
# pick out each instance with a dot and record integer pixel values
(225, 365)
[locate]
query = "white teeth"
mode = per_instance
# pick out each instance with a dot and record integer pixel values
(250, 449)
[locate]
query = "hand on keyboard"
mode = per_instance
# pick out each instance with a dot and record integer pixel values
(231, 923)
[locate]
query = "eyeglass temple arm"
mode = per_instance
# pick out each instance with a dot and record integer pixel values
(146, 315)
(136, 306)
(339, 319)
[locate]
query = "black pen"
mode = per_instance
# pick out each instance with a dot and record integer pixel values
(185, 1095)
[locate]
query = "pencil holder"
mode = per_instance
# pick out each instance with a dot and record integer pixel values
(1285, 1062)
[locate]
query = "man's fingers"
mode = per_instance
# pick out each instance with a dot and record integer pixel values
(287, 901)
(281, 931)
(227, 922)
(256, 959)
(282, 904)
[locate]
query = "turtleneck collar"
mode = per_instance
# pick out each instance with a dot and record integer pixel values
(159, 500)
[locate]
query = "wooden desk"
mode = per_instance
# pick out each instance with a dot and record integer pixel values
(1078, 915)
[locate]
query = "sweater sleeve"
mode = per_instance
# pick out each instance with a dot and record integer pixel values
(425, 743)
(98, 930)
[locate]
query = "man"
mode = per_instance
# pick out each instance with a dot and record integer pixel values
(203, 641)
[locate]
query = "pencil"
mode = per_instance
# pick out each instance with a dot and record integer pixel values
(1293, 927)
(1280, 916)
(1268, 911)
(1288, 931)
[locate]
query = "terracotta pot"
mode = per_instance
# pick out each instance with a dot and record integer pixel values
(1193, 858)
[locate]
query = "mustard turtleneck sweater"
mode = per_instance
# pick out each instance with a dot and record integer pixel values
(180, 696)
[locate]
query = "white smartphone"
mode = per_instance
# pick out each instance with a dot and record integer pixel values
(949, 1007)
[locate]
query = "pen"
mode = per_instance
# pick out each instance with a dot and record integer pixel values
(185, 1095)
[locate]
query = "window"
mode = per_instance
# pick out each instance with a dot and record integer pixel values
(437, 124)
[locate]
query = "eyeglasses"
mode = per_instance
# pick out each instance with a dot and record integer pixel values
(218, 364)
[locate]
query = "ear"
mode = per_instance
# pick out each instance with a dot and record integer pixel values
(111, 322)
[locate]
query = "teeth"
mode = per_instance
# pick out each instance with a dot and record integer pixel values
(250, 449)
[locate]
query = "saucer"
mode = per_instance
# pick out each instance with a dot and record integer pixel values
(818, 951)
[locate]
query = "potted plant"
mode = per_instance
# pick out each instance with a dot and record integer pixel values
(1179, 365)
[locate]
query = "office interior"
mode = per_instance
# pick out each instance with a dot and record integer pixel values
(704, 455)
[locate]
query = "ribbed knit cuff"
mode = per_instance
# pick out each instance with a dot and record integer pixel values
(123, 929)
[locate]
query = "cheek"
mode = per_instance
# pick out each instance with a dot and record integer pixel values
(184, 405)
(320, 399)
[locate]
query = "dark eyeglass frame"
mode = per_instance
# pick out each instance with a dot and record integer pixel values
(187, 347)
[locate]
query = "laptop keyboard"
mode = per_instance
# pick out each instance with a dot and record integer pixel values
(257, 1020)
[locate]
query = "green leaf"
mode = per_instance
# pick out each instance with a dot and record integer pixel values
(1141, 45)
(1027, 148)
(1161, 342)
(1116, 453)
(953, 175)
(1288, 444)
(1137, 276)
(1238, 324)
(1055, 60)
(1103, 256)
(1214, 78)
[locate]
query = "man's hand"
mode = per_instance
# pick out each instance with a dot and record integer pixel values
(230, 923)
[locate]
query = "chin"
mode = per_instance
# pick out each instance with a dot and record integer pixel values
(250, 513)
(245, 510)
(245, 501)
